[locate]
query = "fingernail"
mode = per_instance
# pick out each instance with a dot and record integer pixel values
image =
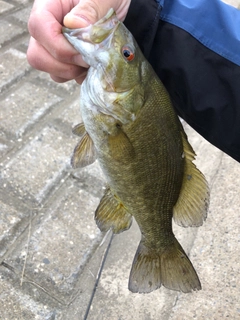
(72, 20)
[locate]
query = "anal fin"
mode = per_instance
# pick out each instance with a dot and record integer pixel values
(192, 205)
(111, 214)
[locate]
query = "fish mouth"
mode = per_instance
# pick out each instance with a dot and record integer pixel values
(93, 42)
(94, 33)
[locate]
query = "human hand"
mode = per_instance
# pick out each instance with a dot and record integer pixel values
(48, 49)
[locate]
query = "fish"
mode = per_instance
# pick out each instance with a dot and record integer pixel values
(131, 127)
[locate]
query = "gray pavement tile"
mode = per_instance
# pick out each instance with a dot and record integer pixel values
(217, 251)
(13, 65)
(71, 114)
(4, 6)
(15, 305)
(23, 2)
(12, 224)
(90, 179)
(21, 15)
(69, 86)
(59, 248)
(24, 106)
(63, 239)
(9, 31)
(40, 164)
(3, 149)
(82, 301)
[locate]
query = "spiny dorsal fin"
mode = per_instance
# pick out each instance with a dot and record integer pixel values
(192, 205)
(84, 153)
(79, 129)
(111, 214)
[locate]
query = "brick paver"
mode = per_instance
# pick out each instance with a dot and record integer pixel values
(47, 231)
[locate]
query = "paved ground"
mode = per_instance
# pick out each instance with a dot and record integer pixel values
(54, 263)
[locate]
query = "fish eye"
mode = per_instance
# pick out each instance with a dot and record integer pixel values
(128, 53)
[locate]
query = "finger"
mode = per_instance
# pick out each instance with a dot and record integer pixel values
(79, 79)
(50, 34)
(58, 79)
(89, 11)
(46, 62)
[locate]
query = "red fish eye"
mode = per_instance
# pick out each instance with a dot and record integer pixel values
(128, 53)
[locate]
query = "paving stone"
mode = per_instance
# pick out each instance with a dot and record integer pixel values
(88, 282)
(61, 243)
(12, 224)
(69, 86)
(217, 251)
(16, 305)
(22, 15)
(3, 149)
(23, 45)
(71, 114)
(4, 6)
(13, 65)
(90, 176)
(40, 164)
(23, 2)
(24, 106)
(9, 31)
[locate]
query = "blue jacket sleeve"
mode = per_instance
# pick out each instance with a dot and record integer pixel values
(142, 20)
(199, 69)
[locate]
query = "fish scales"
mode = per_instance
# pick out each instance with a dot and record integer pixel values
(130, 126)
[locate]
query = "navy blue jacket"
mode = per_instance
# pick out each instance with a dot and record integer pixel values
(194, 47)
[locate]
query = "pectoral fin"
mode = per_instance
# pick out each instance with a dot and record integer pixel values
(111, 214)
(84, 153)
(192, 205)
(120, 146)
(79, 129)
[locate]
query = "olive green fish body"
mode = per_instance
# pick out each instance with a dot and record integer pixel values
(130, 126)
(137, 175)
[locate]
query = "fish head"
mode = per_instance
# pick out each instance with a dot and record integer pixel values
(110, 48)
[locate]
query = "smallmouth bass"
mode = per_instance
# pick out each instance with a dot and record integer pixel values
(130, 126)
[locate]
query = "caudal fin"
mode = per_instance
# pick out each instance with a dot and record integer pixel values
(170, 268)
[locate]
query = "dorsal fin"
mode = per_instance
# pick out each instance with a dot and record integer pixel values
(192, 205)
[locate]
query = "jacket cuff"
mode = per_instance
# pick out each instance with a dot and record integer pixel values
(142, 21)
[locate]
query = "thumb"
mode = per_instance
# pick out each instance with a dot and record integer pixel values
(87, 12)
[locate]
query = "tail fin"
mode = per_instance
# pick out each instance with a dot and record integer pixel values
(170, 268)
